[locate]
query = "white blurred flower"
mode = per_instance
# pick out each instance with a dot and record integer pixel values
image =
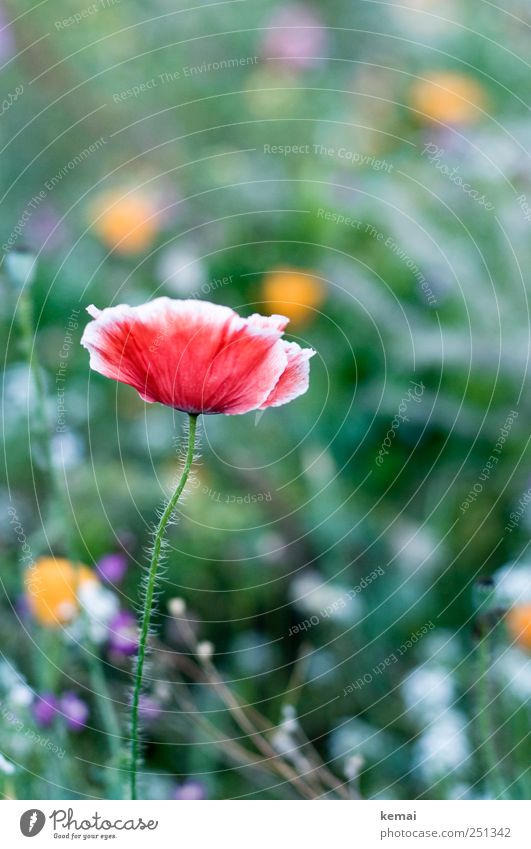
(512, 584)
(205, 650)
(442, 647)
(283, 743)
(513, 669)
(442, 748)
(177, 607)
(357, 737)
(100, 605)
(416, 548)
(6, 766)
(67, 449)
(353, 766)
(290, 722)
(313, 595)
(21, 267)
(8, 676)
(504, 146)
(20, 696)
(270, 546)
(427, 692)
(13, 684)
(181, 270)
(19, 393)
(319, 465)
(287, 741)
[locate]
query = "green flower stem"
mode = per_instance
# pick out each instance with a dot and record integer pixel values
(149, 597)
(486, 730)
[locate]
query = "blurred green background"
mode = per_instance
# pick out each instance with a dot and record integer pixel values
(364, 168)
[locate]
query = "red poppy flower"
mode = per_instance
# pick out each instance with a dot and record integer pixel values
(198, 357)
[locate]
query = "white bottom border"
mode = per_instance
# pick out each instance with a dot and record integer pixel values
(254, 824)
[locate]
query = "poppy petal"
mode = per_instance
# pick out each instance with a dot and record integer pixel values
(295, 378)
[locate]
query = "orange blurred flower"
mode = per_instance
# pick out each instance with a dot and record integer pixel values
(126, 222)
(518, 621)
(449, 97)
(52, 587)
(295, 294)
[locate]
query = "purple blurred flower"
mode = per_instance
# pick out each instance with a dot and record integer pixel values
(45, 230)
(112, 567)
(190, 790)
(123, 633)
(22, 607)
(75, 710)
(44, 709)
(149, 709)
(7, 41)
(297, 37)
